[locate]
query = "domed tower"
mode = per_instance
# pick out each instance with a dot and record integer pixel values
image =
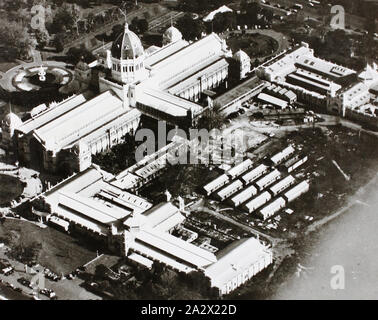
(171, 35)
(127, 58)
(244, 63)
(9, 124)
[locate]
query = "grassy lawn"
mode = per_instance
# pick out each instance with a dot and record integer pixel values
(255, 45)
(59, 252)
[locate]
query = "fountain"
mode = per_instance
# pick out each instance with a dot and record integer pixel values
(42, 73)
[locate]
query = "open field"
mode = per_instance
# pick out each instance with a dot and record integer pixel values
(59, 252)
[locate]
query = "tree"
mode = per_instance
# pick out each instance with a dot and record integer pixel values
(190, 28)
(224, 21)
(211, 119)
(58, 42)
(42, 37)
(63, 20)
(142, 25)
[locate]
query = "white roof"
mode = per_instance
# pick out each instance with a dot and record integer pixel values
(299, 188)
(94, 210)
(240, 168)
(212, 14)
(283, 183)
(216, 183)
(273, 207)
(250, 176)
(52, 112)
(163, 215)
(230, 188)
(244, 195)
(258, 201)
(70, 215)
(273, 100)
(183, 250)
(282, 154)
(81, 120)
(158, 256)
(236, 262)
(59, 222)
(172, 67)
(164, 102)
(268, 178)
(141, 260)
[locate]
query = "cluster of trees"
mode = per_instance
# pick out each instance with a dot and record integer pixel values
(76, 54)
(251, 14)
(190, 28)
(14, 39)
(157, 283)
(26, 253)
(120, 157)
(139, 26)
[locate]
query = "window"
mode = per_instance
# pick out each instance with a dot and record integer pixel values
(132, 68)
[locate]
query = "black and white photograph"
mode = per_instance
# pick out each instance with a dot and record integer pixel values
(188, 157)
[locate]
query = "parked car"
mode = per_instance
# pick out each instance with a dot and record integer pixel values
(47, 292)
(7, 271)
(25, 282)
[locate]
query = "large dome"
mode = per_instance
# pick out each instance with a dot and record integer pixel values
(172, 34)
(127, 46)
(11, 120)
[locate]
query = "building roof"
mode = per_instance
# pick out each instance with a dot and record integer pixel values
(168, 103)
(246, 194)
(171, 67)
(236, 261)
(80, 121)
(240, 168)
(93, 209)
(298, 189)
(284, 183)
(273, 207)
(177, 247)
(141, 260)
(54, 111)
(319, 65)
(127, 45)
(163, 215)
(247, 86)
(164, 52)
(272, 100)
(253, 174)
(231, 188)
(258, 201)
(282, 154)
(268, 178)
(216, 183)
(212, 14)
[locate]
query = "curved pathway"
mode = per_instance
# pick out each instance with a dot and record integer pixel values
(282, 40)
